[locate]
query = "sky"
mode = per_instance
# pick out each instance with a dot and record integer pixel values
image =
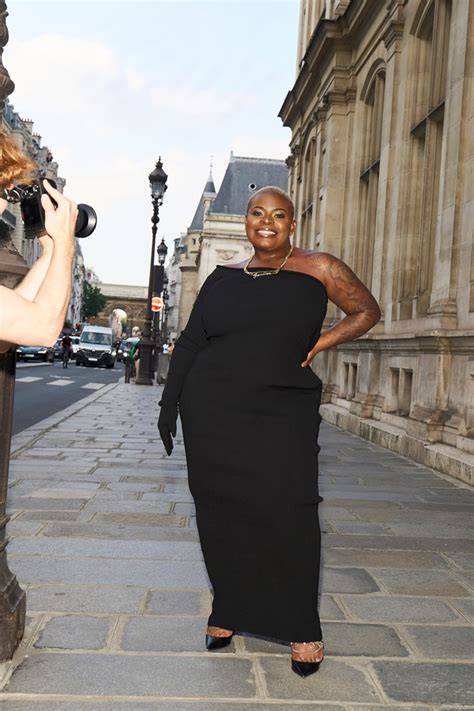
(111, 86)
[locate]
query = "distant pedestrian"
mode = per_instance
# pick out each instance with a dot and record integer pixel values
(135, 357)
(249, 407)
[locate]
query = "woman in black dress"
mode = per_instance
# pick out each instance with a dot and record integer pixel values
(249, 406)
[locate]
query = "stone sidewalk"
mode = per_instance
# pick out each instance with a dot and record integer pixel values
(104, 540)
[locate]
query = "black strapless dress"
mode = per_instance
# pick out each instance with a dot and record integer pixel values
(250, 418)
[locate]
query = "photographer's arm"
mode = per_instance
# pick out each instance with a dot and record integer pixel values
(39, 322)
(29, 286)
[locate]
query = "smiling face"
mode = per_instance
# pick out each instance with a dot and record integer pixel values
(269, 222)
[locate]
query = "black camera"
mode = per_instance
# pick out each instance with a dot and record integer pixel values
(32, 213)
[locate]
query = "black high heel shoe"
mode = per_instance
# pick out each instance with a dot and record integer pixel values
(216, 641)
(310, 667)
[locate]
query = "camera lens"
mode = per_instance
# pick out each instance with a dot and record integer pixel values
(86, 220)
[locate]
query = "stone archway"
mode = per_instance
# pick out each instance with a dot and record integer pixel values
(118, 322)
(134, 308)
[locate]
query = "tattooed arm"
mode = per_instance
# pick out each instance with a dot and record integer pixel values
(349, 294)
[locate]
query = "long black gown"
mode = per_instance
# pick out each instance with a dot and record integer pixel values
(250, 417)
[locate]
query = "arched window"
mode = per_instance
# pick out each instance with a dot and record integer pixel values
(308, 190)
(431, 62)
(372, 123)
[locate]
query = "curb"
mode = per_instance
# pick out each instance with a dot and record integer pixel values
(36, 431)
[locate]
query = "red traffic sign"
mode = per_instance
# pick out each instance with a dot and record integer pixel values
(156, 303)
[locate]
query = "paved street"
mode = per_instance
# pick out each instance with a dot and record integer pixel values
(43, 389)
(104, 539)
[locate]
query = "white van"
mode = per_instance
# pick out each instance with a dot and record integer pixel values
(96, 347)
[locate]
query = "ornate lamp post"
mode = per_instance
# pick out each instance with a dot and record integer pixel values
(160, 278)
(158, 188)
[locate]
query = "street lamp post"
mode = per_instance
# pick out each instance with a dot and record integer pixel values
(158, 188)
(12, 269)
(160, 280)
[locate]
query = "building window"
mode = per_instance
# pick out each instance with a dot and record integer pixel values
(350, 380)
(306, 238)
(470, 407)
(369, 176)
(400, 393)
(428, 73)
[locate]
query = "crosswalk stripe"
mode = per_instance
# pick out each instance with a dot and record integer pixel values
(92, 386)
(27, 380)
(61, 382)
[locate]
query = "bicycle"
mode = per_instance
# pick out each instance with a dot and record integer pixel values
(66, 356)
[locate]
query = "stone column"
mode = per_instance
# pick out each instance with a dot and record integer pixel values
(448, 234)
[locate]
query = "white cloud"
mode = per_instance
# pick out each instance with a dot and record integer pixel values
(197, 102)
(67, 74)
(136, 81)
(261, 146)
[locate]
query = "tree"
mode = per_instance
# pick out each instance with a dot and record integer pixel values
(93, 300)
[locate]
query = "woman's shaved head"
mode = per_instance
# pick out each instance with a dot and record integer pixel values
(273, 190)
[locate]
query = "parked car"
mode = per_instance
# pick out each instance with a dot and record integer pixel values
(57, 348)
(44, 353)
(75, 345)
(120, 349)
(96, 347)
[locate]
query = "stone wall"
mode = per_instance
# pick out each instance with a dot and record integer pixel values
(381, 170)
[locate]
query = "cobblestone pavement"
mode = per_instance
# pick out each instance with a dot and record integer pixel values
(104, 541)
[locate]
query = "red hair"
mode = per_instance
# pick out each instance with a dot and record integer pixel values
(15, 166)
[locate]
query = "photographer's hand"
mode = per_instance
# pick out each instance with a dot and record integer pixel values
(40, 321)
(60, 221)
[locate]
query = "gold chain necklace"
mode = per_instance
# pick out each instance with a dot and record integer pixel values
(267, 272)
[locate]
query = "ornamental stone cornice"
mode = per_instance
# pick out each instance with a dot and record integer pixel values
(437, 344)
(339, 96)
(393, 34)
(332, 39)
(323, 44)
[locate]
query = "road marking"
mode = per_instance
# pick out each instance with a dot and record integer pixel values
(61, 382)
(32, 365)
(28, 380)
(93, 386)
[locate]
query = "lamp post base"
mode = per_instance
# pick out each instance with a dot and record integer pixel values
(12, 611)
(144, 368)
(12, 597)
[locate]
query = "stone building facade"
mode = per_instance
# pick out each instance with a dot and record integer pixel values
(382, 173)
(31, 144)
(74, 312)
(174, 275)
(217, 232)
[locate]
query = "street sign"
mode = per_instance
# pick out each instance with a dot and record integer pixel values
(156, 303)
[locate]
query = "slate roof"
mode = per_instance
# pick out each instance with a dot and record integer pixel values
(209, 191)
(243, 177)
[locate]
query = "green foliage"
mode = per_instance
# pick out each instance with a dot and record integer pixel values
(93, 300)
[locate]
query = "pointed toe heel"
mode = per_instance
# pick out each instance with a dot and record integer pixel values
(314, 652)
(304, 668)
(220, 639)
(217, 642)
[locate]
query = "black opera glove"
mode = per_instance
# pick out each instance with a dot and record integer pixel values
(167, 421)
